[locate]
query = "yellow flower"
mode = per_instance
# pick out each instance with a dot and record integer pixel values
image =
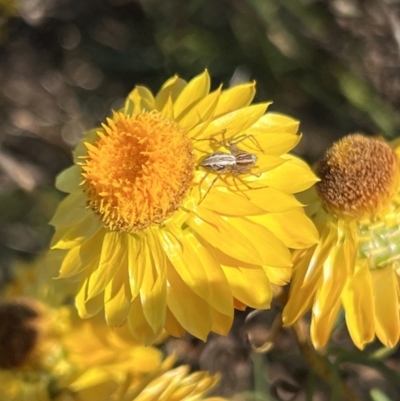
(157, 235)
(177, 384)
(33, 319)
(355, 266)
(46, 349)
(49, 353)
(106, 362)
(92, 362)
(86, 361)
(31, 354)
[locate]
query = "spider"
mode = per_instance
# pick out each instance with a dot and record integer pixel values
(236, 162)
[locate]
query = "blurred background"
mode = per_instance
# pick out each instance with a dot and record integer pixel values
(64, 64)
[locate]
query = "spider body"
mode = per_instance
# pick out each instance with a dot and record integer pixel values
(235, 162)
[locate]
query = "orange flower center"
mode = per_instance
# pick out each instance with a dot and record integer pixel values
(359, 177)
(138, 171)
(20, 332)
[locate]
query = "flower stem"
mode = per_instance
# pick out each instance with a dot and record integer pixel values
(319, 364)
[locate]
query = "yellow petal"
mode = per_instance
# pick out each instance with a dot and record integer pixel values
(293, 228)
(282, 177)
(278, 144)
(357, 299)
(72, 235)
(117, 296)
(224, 202)
(349, 247)
(72, 263)
(170, 90)
(81, 149)
(87, 308)
(249, 285)
(80, 257)
(267, 143)
(205, 276)
(94, 383)
(235, 98)
(327, 300)
(139, 326)
(69, 179)
(137, 269)
(199, 112)
(153, 290)
(111, 257)
(162, 388)
(321, 326)
(71, 210)
(234, 123)
(333, 280)
(221, 323)
(386, 299)
(172, 326)
(168, 109)
(301, 295)
(187, 307)
(133, 104)
(213, 229)
(275, 123)
(144, 98)
(309, 196)
(265, 163)
(272, 251)
(273, 200)
(147, 95)
(196, 89)
(326, 243)
(278, 276)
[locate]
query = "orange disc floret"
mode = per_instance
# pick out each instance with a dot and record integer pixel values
(22, 328)
(359, 177)
(138, 171)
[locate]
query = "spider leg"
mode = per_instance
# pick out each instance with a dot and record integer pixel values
(209, 188)
(232, 143)
(201, 182)
(235, 176)
(216, 142)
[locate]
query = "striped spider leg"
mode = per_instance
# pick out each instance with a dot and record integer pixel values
(236, 162)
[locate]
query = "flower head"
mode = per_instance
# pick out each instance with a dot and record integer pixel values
(167, 384)
(160, 236)
(32, 356)
(49, 353)
(356, 208)
(124, 173)
(24, 334)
